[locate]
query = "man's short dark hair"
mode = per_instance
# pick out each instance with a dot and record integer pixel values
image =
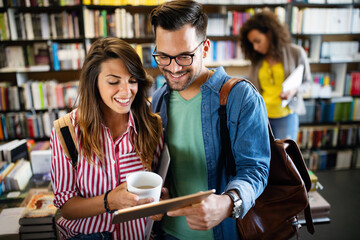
(175, 14)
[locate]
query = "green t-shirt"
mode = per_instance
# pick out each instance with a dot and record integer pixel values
(188, 173)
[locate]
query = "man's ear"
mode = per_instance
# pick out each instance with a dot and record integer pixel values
(206, 48)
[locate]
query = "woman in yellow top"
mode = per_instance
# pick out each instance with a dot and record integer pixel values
(266, 42)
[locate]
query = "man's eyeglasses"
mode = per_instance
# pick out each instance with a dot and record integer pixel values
(181, 59)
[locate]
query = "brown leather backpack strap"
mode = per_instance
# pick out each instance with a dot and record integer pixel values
(226, 88)
(309, 220)
(225, 91)
(296, 156)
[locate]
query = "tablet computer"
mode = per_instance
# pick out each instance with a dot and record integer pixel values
(164, 206)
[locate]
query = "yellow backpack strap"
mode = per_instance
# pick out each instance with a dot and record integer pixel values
(66, 134)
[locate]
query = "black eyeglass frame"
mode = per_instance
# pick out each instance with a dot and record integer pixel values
(175, 57)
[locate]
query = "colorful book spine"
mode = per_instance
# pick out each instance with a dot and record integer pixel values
(56, 62)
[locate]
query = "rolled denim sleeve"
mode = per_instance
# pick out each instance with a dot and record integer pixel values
(249, 136)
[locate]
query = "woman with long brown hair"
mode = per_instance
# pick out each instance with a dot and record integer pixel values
(266, 42)
(116, 134)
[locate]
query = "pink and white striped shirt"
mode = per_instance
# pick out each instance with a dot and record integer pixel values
(95, 179)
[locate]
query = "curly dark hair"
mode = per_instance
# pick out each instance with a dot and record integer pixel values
(264, 22)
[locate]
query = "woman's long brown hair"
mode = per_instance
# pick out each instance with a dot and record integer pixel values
(90, 115)
(265, 22)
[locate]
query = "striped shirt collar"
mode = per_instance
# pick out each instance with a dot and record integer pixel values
(131, 122)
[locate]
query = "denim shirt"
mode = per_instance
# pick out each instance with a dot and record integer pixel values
(248, 128)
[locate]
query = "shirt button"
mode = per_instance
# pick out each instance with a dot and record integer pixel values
(207, 134)
(204, 107)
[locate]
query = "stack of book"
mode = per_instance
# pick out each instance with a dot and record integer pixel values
(320, 208)
(38, 219)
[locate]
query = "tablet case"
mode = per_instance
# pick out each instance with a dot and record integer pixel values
(164, 206)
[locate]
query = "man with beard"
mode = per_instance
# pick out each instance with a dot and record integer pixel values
(188, 103)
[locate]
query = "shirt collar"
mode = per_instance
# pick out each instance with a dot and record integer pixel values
(216, 80)
(131, 123)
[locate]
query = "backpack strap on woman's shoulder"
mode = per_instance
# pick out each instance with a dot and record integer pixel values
(66, 134)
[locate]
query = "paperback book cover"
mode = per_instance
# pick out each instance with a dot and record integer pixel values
(320, 208)
(39, 210)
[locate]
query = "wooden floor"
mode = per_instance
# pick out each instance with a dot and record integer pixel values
(342, 191)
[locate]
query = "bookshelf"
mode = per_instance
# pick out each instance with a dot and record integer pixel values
(72, 25)
(45, 41)
(329, 133)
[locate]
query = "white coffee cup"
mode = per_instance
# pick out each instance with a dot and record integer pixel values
(145, 184)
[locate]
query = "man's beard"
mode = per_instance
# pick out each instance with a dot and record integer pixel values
(176, 87)
(186, 84)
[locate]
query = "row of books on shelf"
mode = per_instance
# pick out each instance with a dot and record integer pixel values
(321, 86)
(352, 84)
(157, 2)
(326, 1)
(323, 78)
(220, 53)
(61, 56)
(331, 110)
(123, 2)
(329, 51)
(229, 23)
(70, 56)
(36, 57)
(67, 56)
(224, 53)
(17, 25)
(316, 137)
(340, 51)
(117, 23)
(40, 3)
(243, 2)
(304, 43)
(325, 20)
(331, 159)
(28, 125)
(38, 95)
(120, 23)
(33, 56)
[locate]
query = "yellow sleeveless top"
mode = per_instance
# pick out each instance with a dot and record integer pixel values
(271, 79)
